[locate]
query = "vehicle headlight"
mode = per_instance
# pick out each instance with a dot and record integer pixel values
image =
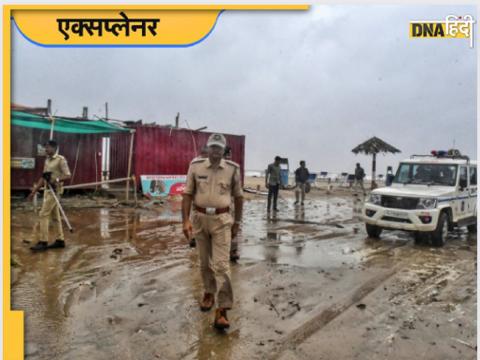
(375, 199)
(427, 203)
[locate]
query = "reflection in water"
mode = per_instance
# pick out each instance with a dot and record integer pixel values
(104, 223)
(274, 236)
(216, 344)
(357, 205)
(270, 249)
(299, 213)
(299, 249)
(84, 283)
(135, 223)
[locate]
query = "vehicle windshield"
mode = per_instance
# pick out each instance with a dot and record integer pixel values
(426, 174)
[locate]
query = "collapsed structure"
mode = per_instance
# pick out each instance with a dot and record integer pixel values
(99, 150)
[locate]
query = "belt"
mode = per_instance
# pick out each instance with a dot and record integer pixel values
(211, 210)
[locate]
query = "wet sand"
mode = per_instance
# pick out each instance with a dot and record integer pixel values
(309, 285)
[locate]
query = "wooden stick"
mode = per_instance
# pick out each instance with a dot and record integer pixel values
(77, 186)
(464, 343)
(129, 171)
(135, 189)
(273, 306)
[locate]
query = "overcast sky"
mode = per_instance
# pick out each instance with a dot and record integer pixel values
(305, 85)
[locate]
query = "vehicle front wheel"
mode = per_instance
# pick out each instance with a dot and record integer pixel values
(373, 231)
(439, 235)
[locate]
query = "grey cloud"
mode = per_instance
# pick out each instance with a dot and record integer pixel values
(307, 85)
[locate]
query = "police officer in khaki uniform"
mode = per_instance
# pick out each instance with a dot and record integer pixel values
(55, 171)
(211, 183)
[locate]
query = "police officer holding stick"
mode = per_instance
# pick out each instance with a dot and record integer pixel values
(55, 171)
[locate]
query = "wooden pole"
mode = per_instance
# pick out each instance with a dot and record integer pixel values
(52, 119)
(374, 167)
(134, 179)
(79, 186)
(129, 171)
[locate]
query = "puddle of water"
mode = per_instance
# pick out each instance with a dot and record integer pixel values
(113, 249)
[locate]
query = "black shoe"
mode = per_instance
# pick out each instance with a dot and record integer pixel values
(40, 246)
(234, 256)
(58, 244)
(301, 204)
(193, 243)
(276, 210)
(295, 203)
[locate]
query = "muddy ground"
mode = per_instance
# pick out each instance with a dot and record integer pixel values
(309, 285)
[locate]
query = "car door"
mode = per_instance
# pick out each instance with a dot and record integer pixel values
(462, 201)
(472, 200)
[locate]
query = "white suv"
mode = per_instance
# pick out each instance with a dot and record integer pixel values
(429, 195)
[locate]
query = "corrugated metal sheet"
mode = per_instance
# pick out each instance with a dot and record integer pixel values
(119, 147)
(169, 151)
(157, 151)
(83, 154)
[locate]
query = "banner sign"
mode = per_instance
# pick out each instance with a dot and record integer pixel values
(22, 163)
(163, 185)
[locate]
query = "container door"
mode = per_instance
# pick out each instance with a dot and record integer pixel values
(105, 160)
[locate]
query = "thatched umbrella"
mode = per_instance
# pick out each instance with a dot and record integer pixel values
(374, 146)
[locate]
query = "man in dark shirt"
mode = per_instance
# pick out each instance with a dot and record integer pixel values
(273, 182)
(301, 178)
(359, 175)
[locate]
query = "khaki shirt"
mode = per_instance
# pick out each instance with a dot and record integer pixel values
(213, 187)
(274, 175)
(58, 166)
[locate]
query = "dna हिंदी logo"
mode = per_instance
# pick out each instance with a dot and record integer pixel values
(453, 27)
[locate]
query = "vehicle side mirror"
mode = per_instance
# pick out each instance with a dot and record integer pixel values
(462, 183)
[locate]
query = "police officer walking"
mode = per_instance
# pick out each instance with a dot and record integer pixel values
(55, 171)
(211, 183)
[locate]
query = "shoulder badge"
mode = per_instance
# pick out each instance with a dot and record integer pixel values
(198, 160)
(229, 162)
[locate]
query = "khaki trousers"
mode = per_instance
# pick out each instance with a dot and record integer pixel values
(213, 236)
(49, 210)
(300, 189)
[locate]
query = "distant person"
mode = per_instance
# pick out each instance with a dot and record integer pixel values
(228, 153)
(301, 179)
(359, 176)
(273, 182)
(389, 177)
